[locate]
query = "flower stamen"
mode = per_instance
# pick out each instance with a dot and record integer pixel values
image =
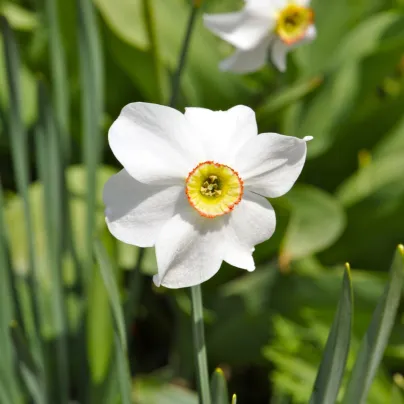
(213, 189)
(293, 22)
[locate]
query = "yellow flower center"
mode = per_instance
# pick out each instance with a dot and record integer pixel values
(293, 22)
(213, 189)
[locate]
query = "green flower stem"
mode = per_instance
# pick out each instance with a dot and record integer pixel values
(199, 345)
(152, 34)
(183, 55)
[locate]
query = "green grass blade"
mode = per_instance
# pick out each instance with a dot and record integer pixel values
(377, 335)
(4, 392)
(19, 152)
(50, 172)
(218, 385)
(107, 273)
(30, 373)
(199, 345)
(331, 371)
(99, 322)
(124, 379)
(18, 135)
(91, 75)
(59, 74)
(8, 387)
(234, 399)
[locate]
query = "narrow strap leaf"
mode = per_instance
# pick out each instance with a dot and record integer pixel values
(377, 335)
(331, 371)
(219, 388)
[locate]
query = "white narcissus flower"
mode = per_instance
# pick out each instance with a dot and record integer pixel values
(274, 25)
(194, 185)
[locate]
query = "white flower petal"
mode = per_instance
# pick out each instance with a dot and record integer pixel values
(244, 30)
(278, 54)
(266, 8)
(303, 3)
(189, 250)
(135, 212)
(247, 61)
(253, 220)
(223, 133)
(237, 252)
(270, 163)
(154, 143)
(280, 49)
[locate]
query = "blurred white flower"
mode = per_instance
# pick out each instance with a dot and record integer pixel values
(194, 186)
(274, 25)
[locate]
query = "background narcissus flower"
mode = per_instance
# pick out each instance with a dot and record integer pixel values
(194, 185)
(276, 26)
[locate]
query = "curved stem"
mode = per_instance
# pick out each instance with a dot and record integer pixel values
(183, 55)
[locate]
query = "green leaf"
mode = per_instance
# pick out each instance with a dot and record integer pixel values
(107, 273)
(20, 18)
(59, 75)
(19, 153)
(149, 390)
(317, 220)
(218, 387)
(99, 322)
(397, 396)
(124, 378)
(126, 56)
(367, 37)
(392, 142)
(30, 372)
(28, 89)
(331, 371)
(202, 81)
(377, 335)
(285, 97)
(376, 176)
(8, 379)
(332, 103)
(126, 21)
(51, 173)
(92, 103)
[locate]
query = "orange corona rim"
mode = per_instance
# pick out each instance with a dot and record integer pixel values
(213, 189)
(293, 22)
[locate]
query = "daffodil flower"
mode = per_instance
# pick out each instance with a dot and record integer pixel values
(275, 25)
(194, 185)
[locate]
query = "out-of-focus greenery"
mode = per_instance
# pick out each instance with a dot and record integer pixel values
(79, 65)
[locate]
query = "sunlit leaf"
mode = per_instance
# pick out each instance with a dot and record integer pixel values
(331, 371)
(317, 220)
(376, 338)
